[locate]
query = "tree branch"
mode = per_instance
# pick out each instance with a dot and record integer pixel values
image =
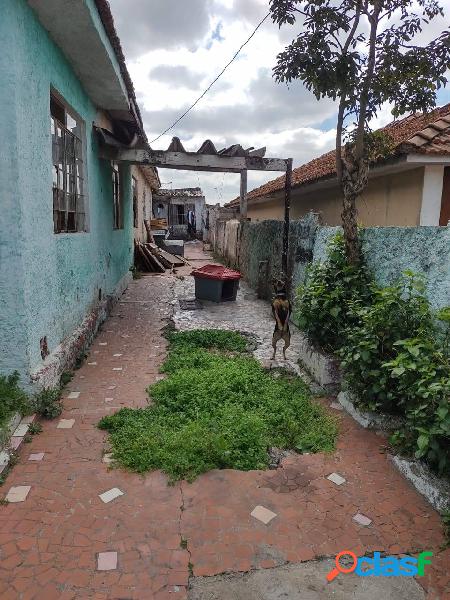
(359, 141)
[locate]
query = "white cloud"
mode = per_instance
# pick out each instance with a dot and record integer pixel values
(176, 48)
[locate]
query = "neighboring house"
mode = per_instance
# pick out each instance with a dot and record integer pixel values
(173, 205)
(66, 231)
(144, 182)
(409, 187)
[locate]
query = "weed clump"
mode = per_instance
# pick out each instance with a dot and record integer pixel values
(12, 398)
(48, 403)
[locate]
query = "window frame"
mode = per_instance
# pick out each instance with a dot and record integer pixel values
(135, 195)
(117, 196)
(69, 172)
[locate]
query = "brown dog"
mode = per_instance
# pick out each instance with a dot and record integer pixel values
(281, 310)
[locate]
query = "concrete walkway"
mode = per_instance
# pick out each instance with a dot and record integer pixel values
(144, 538)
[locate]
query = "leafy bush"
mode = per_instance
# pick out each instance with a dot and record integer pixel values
(66, 377)
(396, 313)
(48, 403)
(394, 356)
(216, 410)
(422, 371)
(328, 304)
(12, 398)
(396, 362)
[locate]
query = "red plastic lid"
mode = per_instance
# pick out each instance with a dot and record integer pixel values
(216, 272)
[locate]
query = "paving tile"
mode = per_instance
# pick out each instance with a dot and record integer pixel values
(28, 419)
(103, 343)
(263, 514)
(65, 424)
(117, 355)
(117, 368)
(362, 519)
(336, 478)
(18, 493)
(110, 495)
(109, 399)
(4, 458)
(37, 456)
(15, 442)
(107, 561)
(112, 387)
(73, 395)
(107, 458)
(21, 430)
(92, 364)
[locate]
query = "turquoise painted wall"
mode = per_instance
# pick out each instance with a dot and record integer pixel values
(49, 282)
(391, 250)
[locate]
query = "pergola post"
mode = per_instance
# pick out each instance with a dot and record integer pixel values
(243, 194)
(287, 208)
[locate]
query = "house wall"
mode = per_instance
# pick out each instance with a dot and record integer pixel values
(144, 205)
(199, 209)
(256, 248)
(51, 282)
(388, 200)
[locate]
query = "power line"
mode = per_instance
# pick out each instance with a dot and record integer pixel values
(212, 83)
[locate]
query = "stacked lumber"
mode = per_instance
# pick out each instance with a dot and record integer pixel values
(152, 259)
(158, 223)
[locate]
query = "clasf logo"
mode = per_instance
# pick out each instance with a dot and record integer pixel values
(387, 566)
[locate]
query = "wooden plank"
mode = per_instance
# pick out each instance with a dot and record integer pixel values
(287, 208)
(144, 259)
(154, 260)
(191, 161)
(243, 195)
(164, 257)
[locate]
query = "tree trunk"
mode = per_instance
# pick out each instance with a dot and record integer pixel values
(350, 227)
(353, 181)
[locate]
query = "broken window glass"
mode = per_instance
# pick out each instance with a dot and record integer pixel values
(67, 174)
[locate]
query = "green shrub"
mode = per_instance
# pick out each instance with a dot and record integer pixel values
(422, 372)
(327, 305)
(216, 409)
(12, 398)
(66, 377)
(48, 403)
(393, 355)
(395, 313)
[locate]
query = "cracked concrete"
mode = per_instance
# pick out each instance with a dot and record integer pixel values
(303, 582)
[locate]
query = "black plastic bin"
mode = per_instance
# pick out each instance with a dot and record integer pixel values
(216, 283)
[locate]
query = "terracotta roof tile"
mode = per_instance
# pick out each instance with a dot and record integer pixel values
(421, 133)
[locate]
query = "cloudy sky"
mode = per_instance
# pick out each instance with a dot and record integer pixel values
(175, 48)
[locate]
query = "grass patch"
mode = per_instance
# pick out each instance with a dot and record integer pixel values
(217, 408)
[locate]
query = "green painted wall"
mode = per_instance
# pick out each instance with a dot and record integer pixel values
(391, 250)
(388, 251)
(49, 282)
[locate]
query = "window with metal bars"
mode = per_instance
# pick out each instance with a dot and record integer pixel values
(69, 215)
(134, 186)
(117, 207)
